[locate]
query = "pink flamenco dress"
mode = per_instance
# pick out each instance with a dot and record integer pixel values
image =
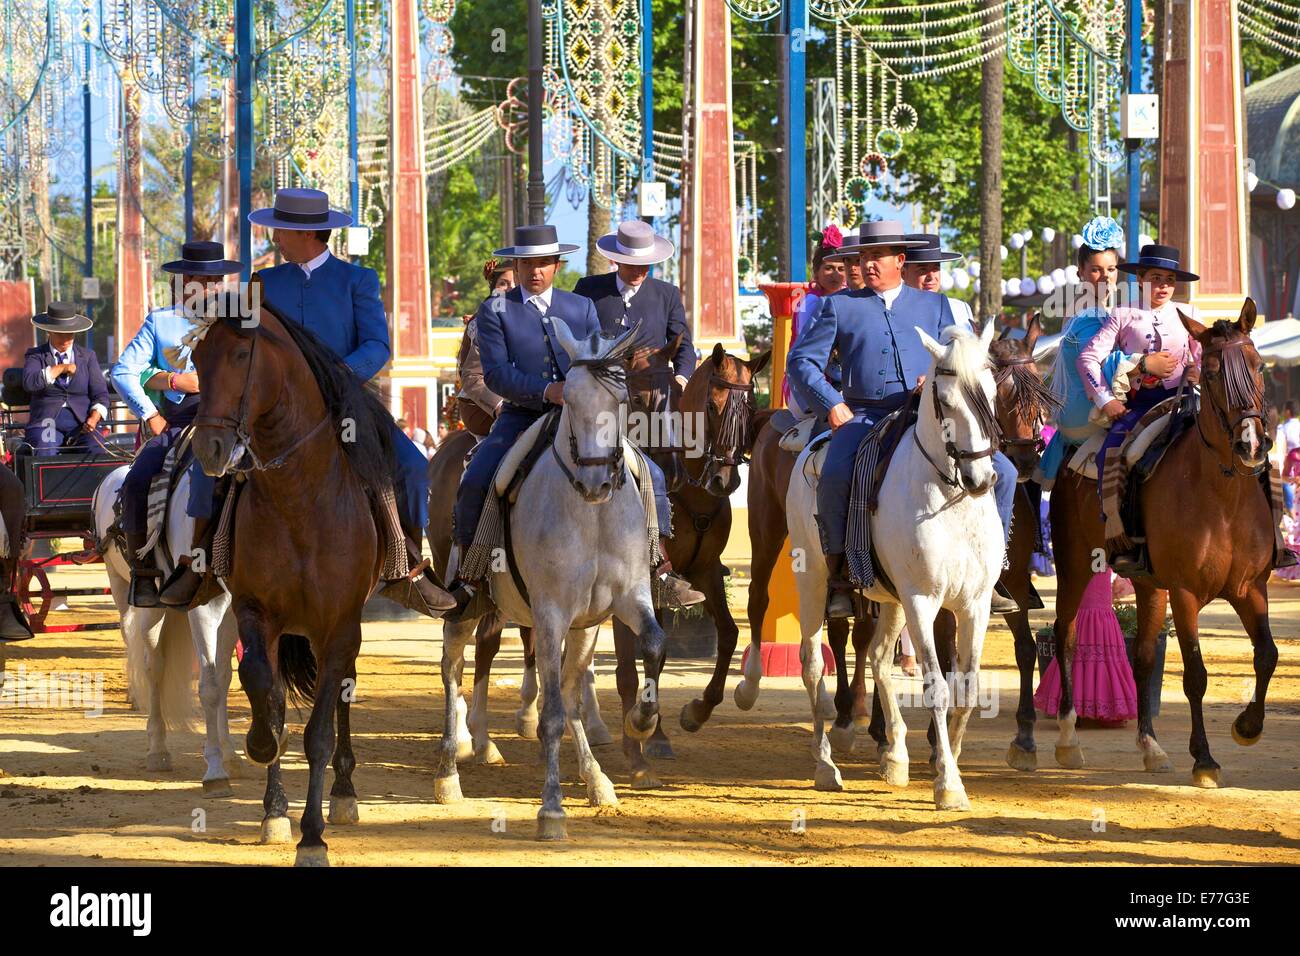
(1104, 689)
(1291, 535)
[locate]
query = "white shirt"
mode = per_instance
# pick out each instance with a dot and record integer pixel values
(542, 300)
(625, 290)
(890, 295)
(314, 264)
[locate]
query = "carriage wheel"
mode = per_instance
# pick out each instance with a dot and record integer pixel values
(33, 572)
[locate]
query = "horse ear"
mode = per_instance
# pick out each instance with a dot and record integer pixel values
(719, 353)
(625, 341)
(1033, 330)
(986, 334)
(1195, 329)
(757, 365)
(567, 341)
(933, 347)
(1246, 321)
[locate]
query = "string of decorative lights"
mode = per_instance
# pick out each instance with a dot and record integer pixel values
(1261, 25)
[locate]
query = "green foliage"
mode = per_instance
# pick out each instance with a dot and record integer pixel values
(463, 231)
(1128, 621)
(1259, 61)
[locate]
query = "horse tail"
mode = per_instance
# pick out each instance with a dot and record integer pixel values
(298, 669)
(176, 698)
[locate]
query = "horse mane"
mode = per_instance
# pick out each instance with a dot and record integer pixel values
(969, 359)
(1031, 397)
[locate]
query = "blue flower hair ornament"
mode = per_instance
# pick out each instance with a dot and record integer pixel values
(1103, 233)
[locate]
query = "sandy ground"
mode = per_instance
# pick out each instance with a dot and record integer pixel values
(73, 789)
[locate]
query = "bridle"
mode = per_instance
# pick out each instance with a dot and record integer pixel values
(1036, 440)
(612, 376)
(1230, 427)
(955, 455)
(733, 425)
(240, 425)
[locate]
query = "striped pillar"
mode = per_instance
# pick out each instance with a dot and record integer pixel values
(132, 293)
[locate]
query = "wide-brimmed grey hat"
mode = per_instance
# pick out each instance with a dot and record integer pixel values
(535, 242)
(202, 259)
(886, 232)
(931, 251)
(850, 238)
(635, 243)
(302, 209)
(62, 317)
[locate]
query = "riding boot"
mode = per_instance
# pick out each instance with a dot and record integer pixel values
(839, 590)
(144, 572)
(13, 622)
(1002, 602)
(671, 590)
(182, 586)
(418, 590)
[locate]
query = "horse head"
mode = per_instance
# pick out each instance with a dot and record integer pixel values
(1232, 387)
(655, 395)
(957, 429)
(595, 396)
(1023, 402)
(721, 392)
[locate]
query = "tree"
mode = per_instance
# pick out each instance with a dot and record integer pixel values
(992, 87)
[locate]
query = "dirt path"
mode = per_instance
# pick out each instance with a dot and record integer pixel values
(73, 788)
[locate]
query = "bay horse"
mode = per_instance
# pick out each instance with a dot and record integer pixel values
(307, 546)
(938, 537)
(717, 404)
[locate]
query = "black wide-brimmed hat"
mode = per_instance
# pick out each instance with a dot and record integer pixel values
(301, 209)
(1159, 257)
(886, 232)
(930, 252)
(535, 242)
(202, 259)
(62, 317)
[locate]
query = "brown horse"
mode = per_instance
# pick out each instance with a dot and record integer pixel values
(307, 548)
(718, 405)
(13, 511)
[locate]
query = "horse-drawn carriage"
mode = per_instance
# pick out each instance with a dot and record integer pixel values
(58, 493)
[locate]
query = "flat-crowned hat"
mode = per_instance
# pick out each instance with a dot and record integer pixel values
(635, 243)
(886, 232)
(535, 242)
(62, 317)
(930, 252)
(1159, 257)
(202, 259)
(302, 209)
(846, 243)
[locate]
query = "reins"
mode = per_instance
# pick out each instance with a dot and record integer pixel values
(612, 376)
(1236, 377)
(956, 455)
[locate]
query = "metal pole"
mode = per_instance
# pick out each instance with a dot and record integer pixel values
(536, 182)
(355, 172)
(1133, 212)
(244, 129)
(189, 172)
(87, 182)
(647, 92)
(795, 149)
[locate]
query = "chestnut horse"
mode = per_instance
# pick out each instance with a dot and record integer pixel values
(307, 548)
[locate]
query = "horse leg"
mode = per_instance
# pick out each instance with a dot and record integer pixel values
(812, 609)
(1068, 596)
(628, 681)
(1023, 752)
(265, 741)
(1253, 611)
(945, 645)
(861, 637)
(763, 563)
(205, 623)
(464, 739)
(658, 746)
(276, 827)
(526, 715)
(635, 610)
(227, 638)
(318, 738)
(487, 641)
(1151, 604)
(893, 740)
(593, 724)
(149, 626)
(1186, 610)
(949, 793)
(455, 635)
(343, 796)
(579, 650)
(841, 732)
(696, 713)
(966, 686)
(548, 632)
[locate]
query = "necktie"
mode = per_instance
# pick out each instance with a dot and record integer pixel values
(538, 303)
(64, 378)
(627, 304)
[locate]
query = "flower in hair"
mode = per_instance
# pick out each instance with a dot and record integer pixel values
(832, 238)
(1103, 233)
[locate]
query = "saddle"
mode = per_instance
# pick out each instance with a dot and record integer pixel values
(529, 447)
(796, 433)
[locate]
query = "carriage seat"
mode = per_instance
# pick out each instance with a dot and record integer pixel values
(519, 459)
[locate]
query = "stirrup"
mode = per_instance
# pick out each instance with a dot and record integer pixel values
(181, 587)
(143, 590)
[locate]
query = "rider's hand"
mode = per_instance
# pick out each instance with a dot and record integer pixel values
(554, 393)
(1160, 364)
(841, 414)
(156, 424)
(92, 420)
(1113, 409)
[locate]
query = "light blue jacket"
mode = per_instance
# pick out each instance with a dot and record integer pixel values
(162, 329)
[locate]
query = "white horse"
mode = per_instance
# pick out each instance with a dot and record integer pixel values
(579, 541)
(161, 643)
(937, 536)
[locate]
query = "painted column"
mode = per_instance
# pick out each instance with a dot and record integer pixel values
(709, 282)
(412, 375)
(132, 296)
(230, 178)
(1203, 191)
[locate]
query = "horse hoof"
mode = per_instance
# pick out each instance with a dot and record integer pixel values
(526, 727)
(550, 826)
(691, 717)
(841, 739)
(260, 757)
(158, 763)
(659, 749)
(311, 856)
(600, 792)
(1207, 778)
(954, 799)
(218, 787)
(1018, 758)
(1157, 762)
(630, 728)
(343, 811)
(895, 772)
(599, 736)
(447, 789)
(828, 779)
(276, 830)
(464, 750)
(489, 756)
(1242, 739)
(1071, 758)
(645, 780)
(746, 695)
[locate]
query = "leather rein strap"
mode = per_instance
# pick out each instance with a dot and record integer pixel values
(1228, 427)
(613, 378)
(955, 455)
